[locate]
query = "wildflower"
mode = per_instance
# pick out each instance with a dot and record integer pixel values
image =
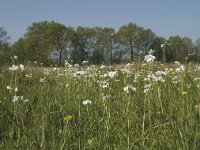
(8, 87)
(111, 74)
(181, 68)
(149, 58)
(102, 66)
(147, 88)
(21, 67)
(162, 45)
(14, 67)
(177, 62)
(68, 118)
(81, 73)
(15, 57)
(42, 80)
(103, 84)
(128, 88)
(85, 62)
(151, 51)
(184, 92)
(87, 101)
(16, 98)
(16, 89)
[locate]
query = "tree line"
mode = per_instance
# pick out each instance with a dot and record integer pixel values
(53, 42)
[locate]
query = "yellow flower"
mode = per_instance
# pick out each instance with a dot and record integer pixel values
(184, 93)
(68, 118)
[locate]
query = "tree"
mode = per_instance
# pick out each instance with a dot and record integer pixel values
(197, 45)
(59, 38)
(36, 42)
(127, 36)
(197, 49)
(81, 44)
(3, 38)
(43, 38)
(18, 49)
(108, 41)
(4, 47)
(156, 45)
(176, 49)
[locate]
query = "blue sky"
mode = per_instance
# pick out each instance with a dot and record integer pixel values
(165, 17)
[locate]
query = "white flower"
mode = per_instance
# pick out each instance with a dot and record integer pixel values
(177, 62)
(149, 58)
(87, 101)
(102, 66)
(181, 68)
(21, 67)
(111, 74)
(81, 73)
(16, 89)
(147, 88)
(8, 87)
(162, 45)
(13, 68)
(151, 51)
(128, 88)
(42, 80)
(16, 98)
(85, 62)
(15, 57)
(103, 84)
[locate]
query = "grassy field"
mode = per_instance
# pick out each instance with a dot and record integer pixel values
(130, 106)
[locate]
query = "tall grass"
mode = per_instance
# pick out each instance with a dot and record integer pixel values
(132, 106)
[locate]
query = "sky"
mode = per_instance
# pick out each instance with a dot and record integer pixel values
(164, 17)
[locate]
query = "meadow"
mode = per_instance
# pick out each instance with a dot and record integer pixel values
(144, 105)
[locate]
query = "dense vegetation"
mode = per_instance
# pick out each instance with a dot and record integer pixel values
(53, 43)
(132, 106)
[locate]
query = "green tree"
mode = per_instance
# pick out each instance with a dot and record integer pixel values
(176, 49)
(108, 42)
(156, 45)
(127, 36)
(5, 52)
(59, 38)
(18, 49)
(81, 44)
(36, 42)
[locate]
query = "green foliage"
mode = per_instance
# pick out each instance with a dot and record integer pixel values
(52, 42)
(5, 52)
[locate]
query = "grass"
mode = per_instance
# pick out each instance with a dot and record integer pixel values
(163, 112)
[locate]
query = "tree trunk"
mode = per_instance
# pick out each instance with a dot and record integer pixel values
(131, 51)
(111, 55)
(60, 57)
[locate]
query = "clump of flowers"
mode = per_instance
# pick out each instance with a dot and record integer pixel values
(184, 92)
(111, 74)
(68, 118)
(16, 67)
(103, 84)
(86, 102)
(85, 62)
(17, 98)
(129, 88)
(150, 58)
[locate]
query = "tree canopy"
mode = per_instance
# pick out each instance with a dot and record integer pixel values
(53, 42)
